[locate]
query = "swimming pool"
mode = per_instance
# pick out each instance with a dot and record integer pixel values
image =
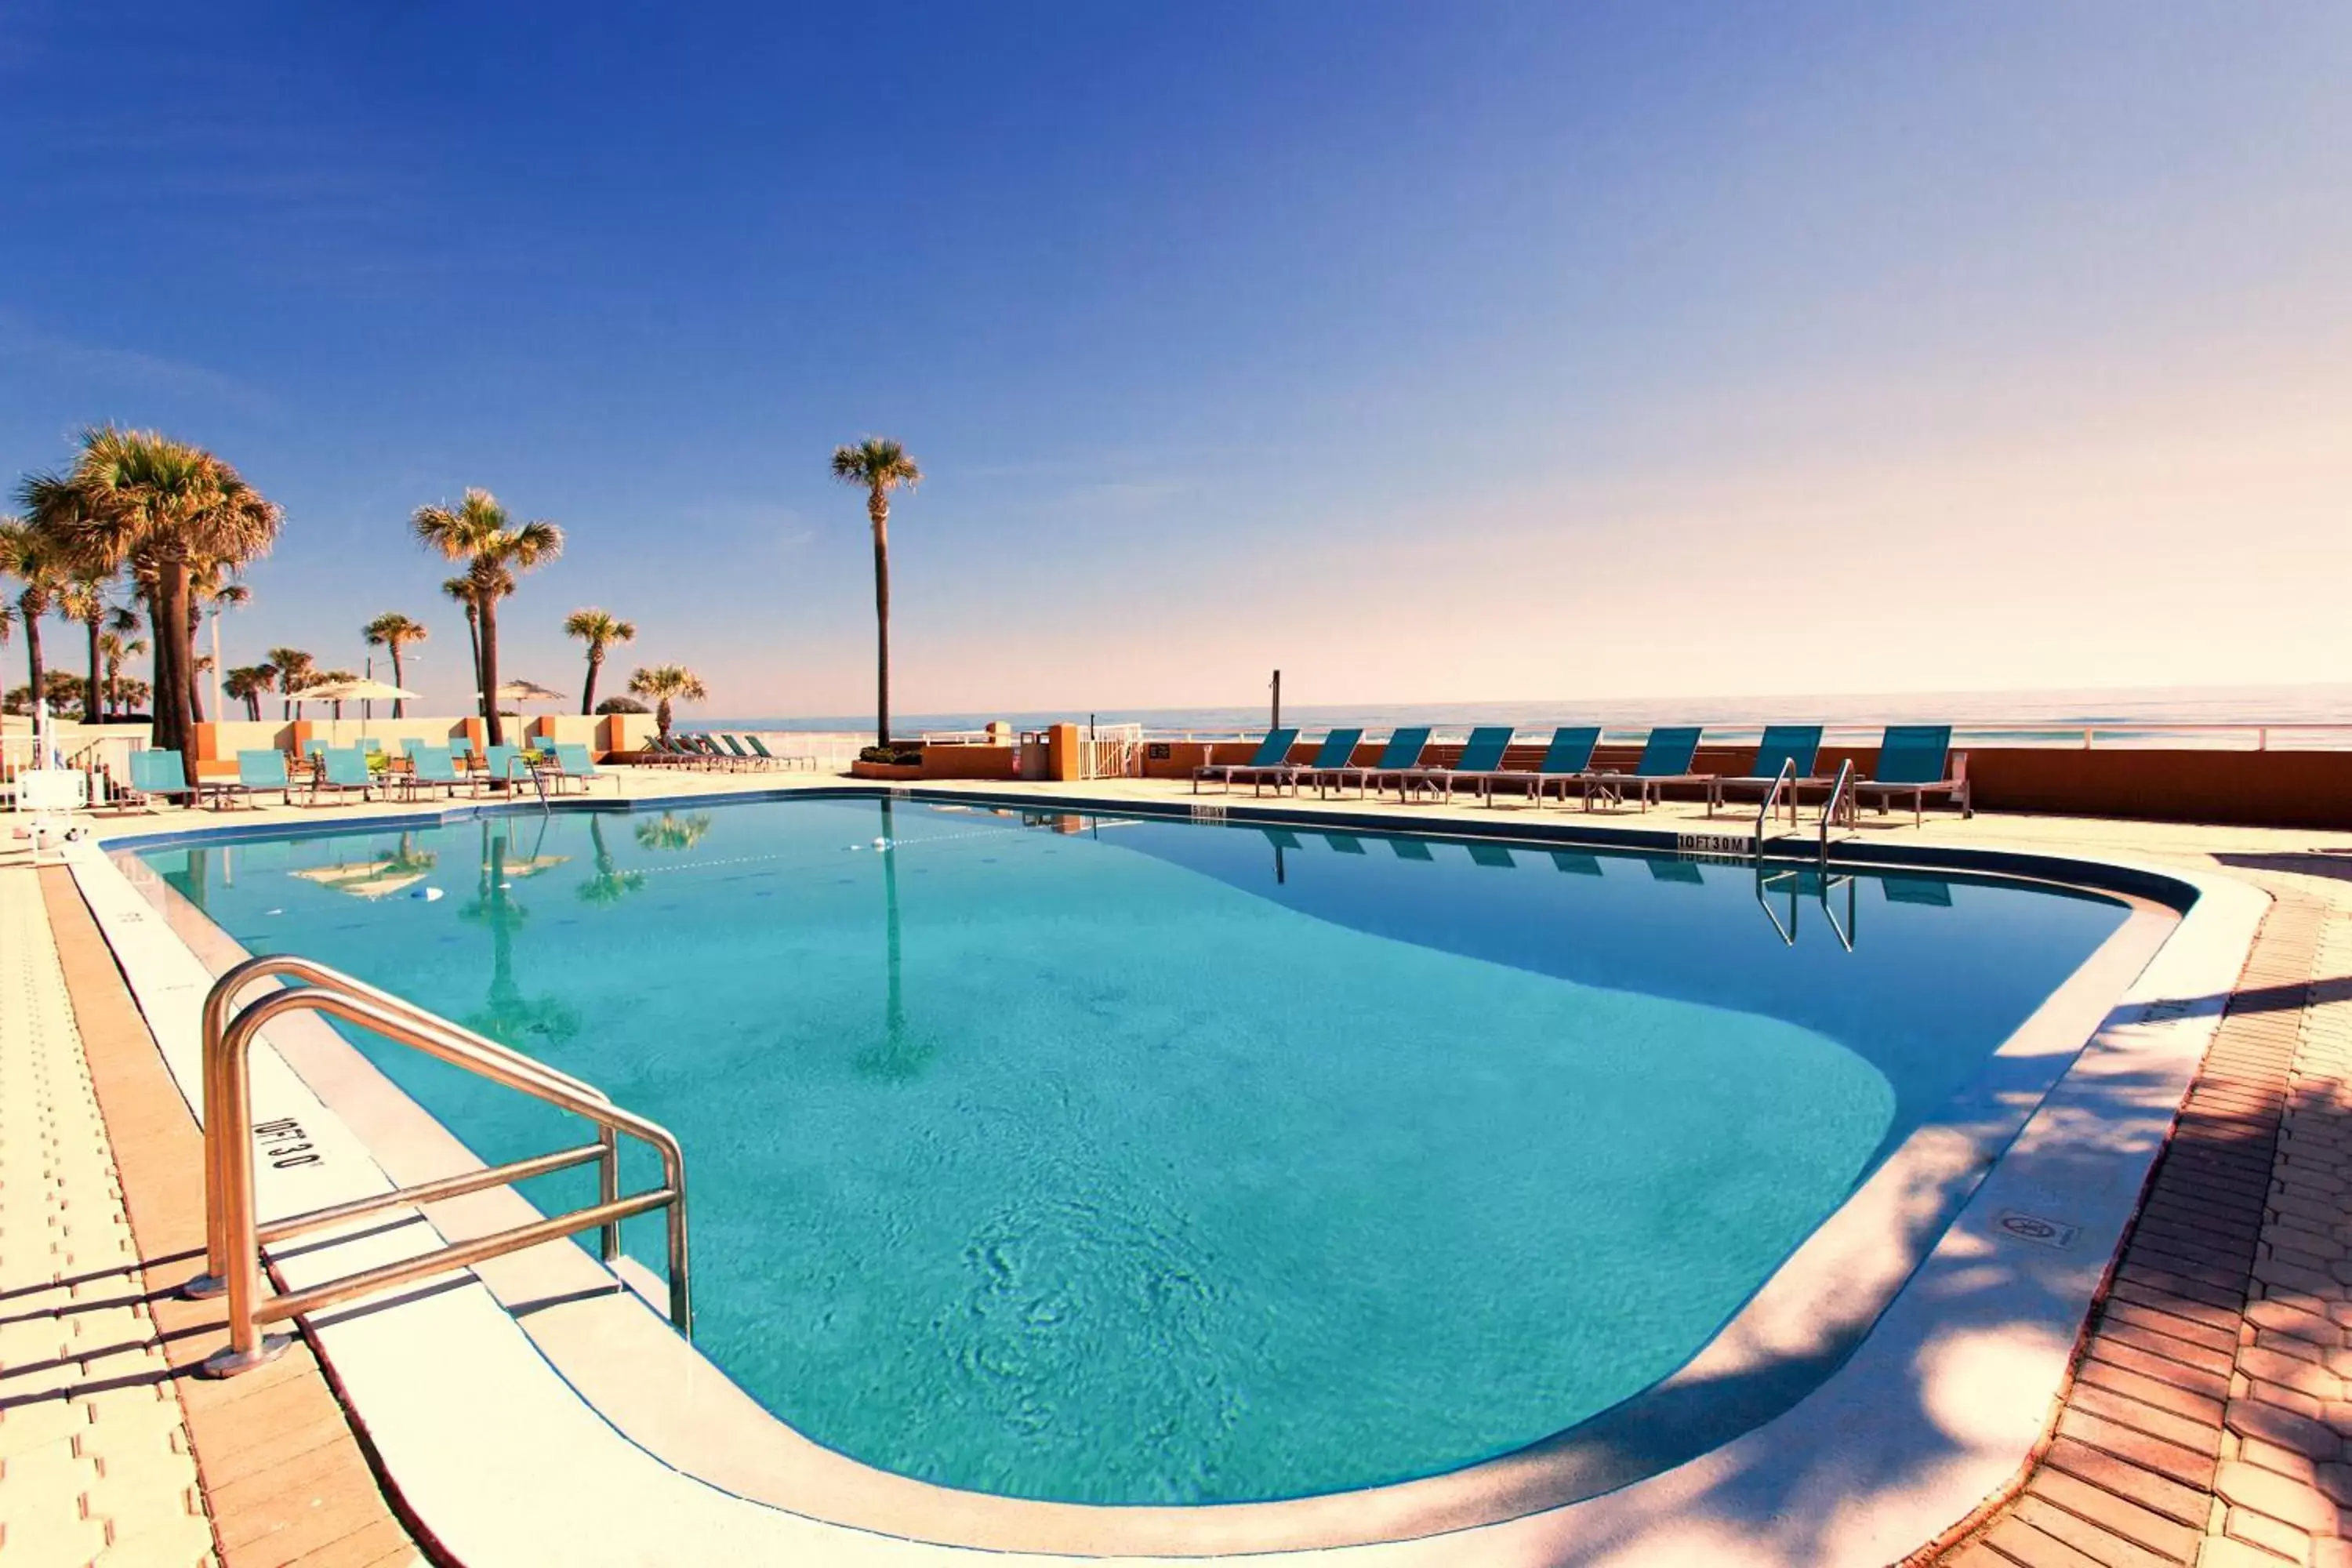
(1142, 1161)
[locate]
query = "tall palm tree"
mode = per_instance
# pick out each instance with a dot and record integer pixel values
(881, 465)
(209, 593)
(395, 631)
(135, 494)
(666, 683)
(293, 668)
(480, 533)
(460, 590)
(114, 646)
(84, 600)
(597, 629)
(36, 557)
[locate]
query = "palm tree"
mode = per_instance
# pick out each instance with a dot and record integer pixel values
(666, 683)
(481, 534)
(881, 465)
(395, 631)
(209, 593)
(597, 629)
(113, 648)
(136, 497)
(84, 600)
(36, 557)
(292, 668)
(246, 683)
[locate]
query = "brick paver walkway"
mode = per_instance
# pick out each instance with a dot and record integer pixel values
(94, 1454)
(2208, 1421)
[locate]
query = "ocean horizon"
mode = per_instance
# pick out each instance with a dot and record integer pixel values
(1980, 714)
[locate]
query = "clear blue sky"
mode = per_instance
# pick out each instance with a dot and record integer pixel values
(1430, 350)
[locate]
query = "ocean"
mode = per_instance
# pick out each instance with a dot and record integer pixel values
(2171, 715)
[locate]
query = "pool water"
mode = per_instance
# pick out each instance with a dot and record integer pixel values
(1147, 1162)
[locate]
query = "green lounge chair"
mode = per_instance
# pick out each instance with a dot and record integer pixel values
(1337, 750)
(341, 771)
(783, 759)
(1402, 754)
(1272, 751)
(745, 756)
(258, 772)
(1665, 760)
(1482, 755)
(1917, 760)
(1565, 761)
(1782, 745)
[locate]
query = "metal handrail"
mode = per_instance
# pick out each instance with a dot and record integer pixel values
(1841, 791)
(234, 1236)
(1785, 779)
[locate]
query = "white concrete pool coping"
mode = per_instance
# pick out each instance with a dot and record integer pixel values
(576, 1427)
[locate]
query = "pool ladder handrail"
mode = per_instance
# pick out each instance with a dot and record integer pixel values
(1786, 779)
(234, 1235)
(1839, 807)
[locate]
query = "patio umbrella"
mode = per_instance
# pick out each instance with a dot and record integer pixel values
(521, 691)
(364, 690)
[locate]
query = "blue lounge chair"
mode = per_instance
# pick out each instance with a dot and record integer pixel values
(258, 772)
(1482, 755)
(1665, 760)
(1402, 754)
(158, 775)
(502, 765)
(1782, 745)
(1274, 751)
(1565, 761)
(341, 771)
(573, 762)
(1333, 756)
(1917, 760)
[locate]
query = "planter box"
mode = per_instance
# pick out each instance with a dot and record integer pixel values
(886, 771)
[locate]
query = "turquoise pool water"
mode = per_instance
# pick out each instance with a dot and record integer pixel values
(1130, 1162)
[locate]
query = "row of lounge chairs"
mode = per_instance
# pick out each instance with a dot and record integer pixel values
(1915, 760)
(342, 772)
(699, 750)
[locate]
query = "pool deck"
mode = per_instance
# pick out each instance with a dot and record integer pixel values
(2205, 1420)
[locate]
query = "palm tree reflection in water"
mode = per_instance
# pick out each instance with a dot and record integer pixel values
(610, 884)
(901, 1053)
(526, 1023)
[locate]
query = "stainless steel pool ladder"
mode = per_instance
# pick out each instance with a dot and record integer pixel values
(233, 1235)
(1839, 808)
(1786, 779)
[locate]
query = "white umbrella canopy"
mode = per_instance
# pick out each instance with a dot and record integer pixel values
(528, 691)
(364, 690)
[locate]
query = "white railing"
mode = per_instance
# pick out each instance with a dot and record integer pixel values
(1111, 751)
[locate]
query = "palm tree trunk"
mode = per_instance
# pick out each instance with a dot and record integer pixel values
(400, 704)
(92, 712)
(878, 509)
(195, 676)
(174, 718)
(474, 639)
(661, 718)
(588, 692)
(159, 659)
(496, 731)
(30, 611)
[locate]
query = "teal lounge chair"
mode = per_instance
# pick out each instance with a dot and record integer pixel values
(1333, 756)
(573, 762)
(1665, 760)
(1783, 744)
(1274, 751)
(432, 767)
(504, 765)
(158, 775)
(745, 756)
(258, 772)
(1917, 760)
(341, 771)
(1482, 756)
(1565, 761)
(1402, 754)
